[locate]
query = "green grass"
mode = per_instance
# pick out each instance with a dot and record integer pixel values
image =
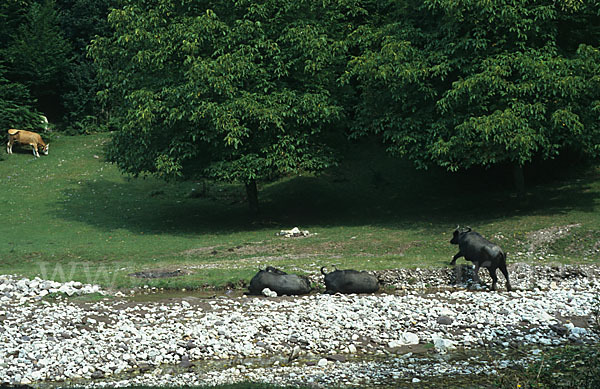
(561, 367)
(71, 215)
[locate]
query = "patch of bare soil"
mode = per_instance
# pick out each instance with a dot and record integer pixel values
(199, 251)
(159, 273)
(289, 250)
(273, 253)
(587, 244)
(540, 241)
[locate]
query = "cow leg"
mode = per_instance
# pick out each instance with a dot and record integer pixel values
(504, 271)
(35, 151)
(492, 271)
(9, 147)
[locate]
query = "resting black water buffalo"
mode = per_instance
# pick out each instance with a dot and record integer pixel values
(349, 281)
(481, 252)
(278, 281)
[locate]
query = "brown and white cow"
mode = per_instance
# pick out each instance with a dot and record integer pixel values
(26, 138)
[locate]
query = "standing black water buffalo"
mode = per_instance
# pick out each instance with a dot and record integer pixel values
(481, 252)
(278, 281)
(349, 281)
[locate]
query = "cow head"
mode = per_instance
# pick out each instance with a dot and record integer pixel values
(44, 149)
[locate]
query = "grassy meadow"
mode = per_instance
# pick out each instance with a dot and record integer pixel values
(71, 215)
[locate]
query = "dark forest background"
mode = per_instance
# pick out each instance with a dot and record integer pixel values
(249, 91)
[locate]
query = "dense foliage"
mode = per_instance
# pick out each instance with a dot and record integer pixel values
(16, 106)
(43, 47)
(250, 90)
(481, 83)
(240, 91)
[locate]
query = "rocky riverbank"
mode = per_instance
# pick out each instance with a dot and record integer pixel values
(401, 336)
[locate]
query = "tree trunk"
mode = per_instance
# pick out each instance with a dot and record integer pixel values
(519, 179)
(252, 194)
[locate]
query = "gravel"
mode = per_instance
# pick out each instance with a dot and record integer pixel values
(320, 340)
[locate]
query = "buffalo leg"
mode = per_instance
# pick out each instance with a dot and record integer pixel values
(454, 258)
(492, 272)
(505, 272)
(476, 273)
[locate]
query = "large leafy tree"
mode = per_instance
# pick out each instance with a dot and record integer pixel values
(237, 91)
(478, 83)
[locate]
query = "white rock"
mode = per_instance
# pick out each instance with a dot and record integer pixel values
(268, 292)
(408, 338)
(579, 330)
(232, 328)
(441, 344)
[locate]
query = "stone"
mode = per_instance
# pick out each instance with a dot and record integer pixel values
(97, 374)
(408, 338)
(294, 354)
(441, 344)
(268, 292)
(163, 333)
(336, 358)
(559, 329)
(185, 362)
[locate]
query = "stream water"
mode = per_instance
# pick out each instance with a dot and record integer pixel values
(408, 366)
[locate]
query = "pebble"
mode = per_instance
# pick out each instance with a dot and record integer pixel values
(44, 343)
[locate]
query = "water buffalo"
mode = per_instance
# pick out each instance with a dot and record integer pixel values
(481, 252)
(278, 281)
(349, 281)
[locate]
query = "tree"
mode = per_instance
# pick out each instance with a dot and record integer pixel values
(11, 16)
(16, 106)
(80, 22)
(38, 56)
(235, 91)
(44, 47)
(476, 83)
